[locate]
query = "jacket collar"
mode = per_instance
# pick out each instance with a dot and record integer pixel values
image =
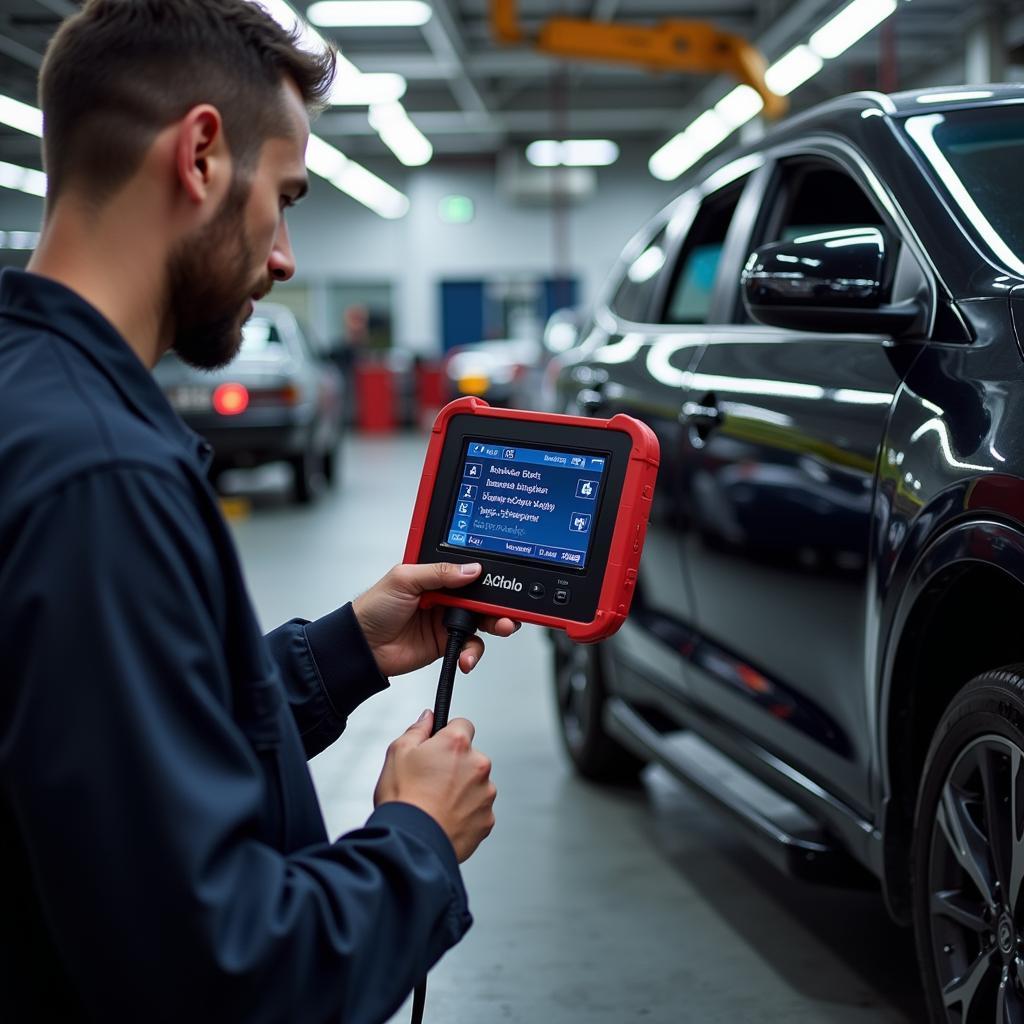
(43, 302)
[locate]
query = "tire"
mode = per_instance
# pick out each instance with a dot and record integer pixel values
(308, 477)
(330, 465)
(579, 702)
(968, 856)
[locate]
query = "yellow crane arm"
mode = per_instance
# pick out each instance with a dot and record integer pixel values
(673, 45)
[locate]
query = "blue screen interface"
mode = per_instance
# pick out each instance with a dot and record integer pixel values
(527, 502)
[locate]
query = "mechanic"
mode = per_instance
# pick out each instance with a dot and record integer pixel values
(162, 853)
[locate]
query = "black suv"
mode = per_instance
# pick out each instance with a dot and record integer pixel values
(824, 330)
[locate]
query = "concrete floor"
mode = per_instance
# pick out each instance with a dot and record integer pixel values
(591, 906)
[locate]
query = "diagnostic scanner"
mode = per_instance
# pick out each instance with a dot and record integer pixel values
(554, 507)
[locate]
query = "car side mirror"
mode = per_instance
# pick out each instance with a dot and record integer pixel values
(834, 281)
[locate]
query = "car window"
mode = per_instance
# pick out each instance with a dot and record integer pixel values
(816, 198)
(693, 281)
(262, 340)
(634, 295)
(811, 196)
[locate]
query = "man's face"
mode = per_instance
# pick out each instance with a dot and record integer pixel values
(218, 272)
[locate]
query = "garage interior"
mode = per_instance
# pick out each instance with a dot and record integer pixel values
(448, 207)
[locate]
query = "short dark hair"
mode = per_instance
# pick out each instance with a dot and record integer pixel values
(120, 71)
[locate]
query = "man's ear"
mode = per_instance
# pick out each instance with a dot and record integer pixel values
(202, 160)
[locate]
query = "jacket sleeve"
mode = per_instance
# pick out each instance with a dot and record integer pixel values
(139, 798)
(328, 670)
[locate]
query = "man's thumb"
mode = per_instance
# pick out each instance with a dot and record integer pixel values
(421, 728)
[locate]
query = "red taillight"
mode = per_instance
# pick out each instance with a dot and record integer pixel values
(231, 399)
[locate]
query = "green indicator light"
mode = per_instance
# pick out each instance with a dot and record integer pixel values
(457, 209)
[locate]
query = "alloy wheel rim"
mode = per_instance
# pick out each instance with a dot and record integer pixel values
(975, 875)
(572, 680)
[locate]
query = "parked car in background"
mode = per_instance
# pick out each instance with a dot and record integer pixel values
(278, 400)
(502, 372)
(562, 333)
(825, 330)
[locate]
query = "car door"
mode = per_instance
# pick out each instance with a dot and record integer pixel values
(785, 429)
(617, 377)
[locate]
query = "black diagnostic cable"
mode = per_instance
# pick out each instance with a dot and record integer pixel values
(461, 625)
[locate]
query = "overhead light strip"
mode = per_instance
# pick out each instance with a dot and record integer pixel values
(21, 116)
(22, 179)
(788, 73)
(402, 137)
(23, 241)
(391, 122)
(369, 13)
(345, 174)
(572, 153)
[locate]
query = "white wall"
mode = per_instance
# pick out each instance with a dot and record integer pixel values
(335, 238)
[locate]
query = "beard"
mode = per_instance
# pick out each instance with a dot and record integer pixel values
(210, 284)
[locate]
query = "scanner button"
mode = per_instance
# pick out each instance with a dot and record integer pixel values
(562, 596)
(536, 591)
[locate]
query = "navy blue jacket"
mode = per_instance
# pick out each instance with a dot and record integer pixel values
(162, 852)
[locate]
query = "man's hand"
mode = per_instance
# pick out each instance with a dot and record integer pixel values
(404, 637)
(444, 776)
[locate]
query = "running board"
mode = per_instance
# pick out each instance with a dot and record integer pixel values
(781, 831)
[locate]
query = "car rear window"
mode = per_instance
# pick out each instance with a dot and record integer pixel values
(261, 340)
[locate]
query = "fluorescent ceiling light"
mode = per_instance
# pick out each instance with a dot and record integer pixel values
(322, 158)
(739, 106)
(853, 22)
(736, 108)
(309, 39)
(369, 13)
(19, 239)
(366, 90)
(544, 153)
(706, 132)
(400, 135)
(682, 151)
(792, 70)
(21, 116)
(355, 180)
(22, 179)
(572, 153)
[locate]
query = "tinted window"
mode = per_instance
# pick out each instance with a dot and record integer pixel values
(819, 198)
(689, 299)
(633, 298)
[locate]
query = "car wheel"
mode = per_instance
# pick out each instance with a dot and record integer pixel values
(308, 477)
(329, 465)
(968, 855)
(580, 699)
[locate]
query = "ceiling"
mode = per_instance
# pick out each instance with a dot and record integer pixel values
(471, 96)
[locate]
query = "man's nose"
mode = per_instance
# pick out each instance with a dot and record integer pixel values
(282, 260)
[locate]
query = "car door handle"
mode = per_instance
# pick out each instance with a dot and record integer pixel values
(702, 416)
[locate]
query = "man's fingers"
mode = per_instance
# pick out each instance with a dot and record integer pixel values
(463, 727)
(438, 575)
(472, 652)
(499, 626)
